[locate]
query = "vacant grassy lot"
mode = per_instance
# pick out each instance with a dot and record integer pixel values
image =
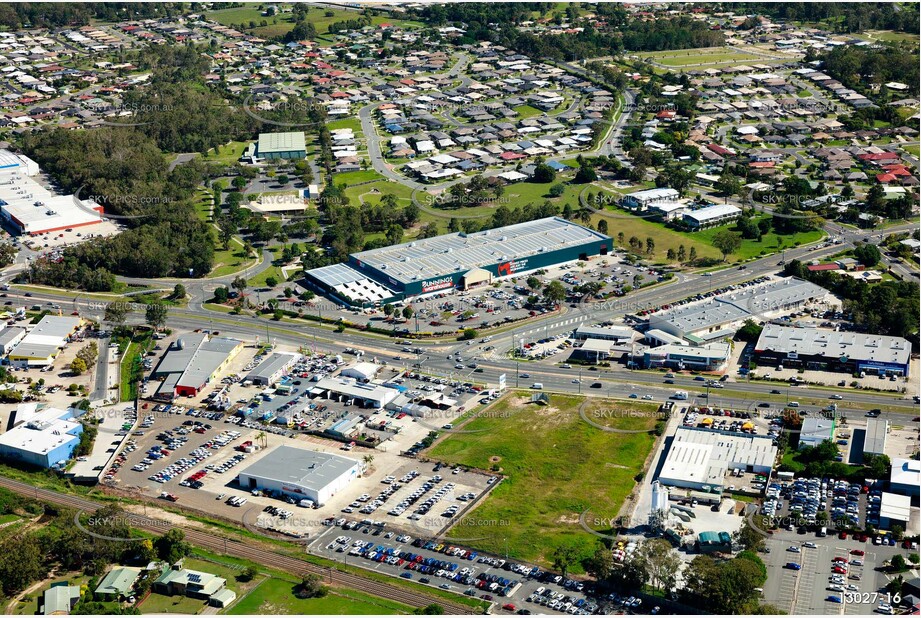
(556, 466)
(228, 154)
(710, 55)
(526, 111)
(177, 604)
(278, 25)
(276, 596)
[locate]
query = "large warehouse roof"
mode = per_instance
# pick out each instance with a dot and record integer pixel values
(452, 253)
(905, 472)
(834, 344)
(48, 336)
(309, 469)
(281, 142)
(738, 305)
(272, 364)
(703, 456)
(196, 357)
(34, 209)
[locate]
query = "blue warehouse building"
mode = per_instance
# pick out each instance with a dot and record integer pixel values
(45, 439)
(456, 261)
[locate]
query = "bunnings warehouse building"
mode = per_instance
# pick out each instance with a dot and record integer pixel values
(455, 261)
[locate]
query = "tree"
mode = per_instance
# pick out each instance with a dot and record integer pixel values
(532, 282)
(563, 557)
(670, 255)
(408, 312)
(586, 174)
(156, 315)
(389, 309)
(179, 292)
(557, 190)
(554, 293)
(543, 173)
(172, 546)
(116, 313)
(221, 294)
(394, 234)
(650, 245)
(692, 256)
(661, 562)
(239, 284)
(867, 254)
(271, 281)
(682, 253)
(311, 587)
(750, 331)
(727, 242)
(248, 574)
(77, 366)
(749, 537)
(601, 563)
(603, 226)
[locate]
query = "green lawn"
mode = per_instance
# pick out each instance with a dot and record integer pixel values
(232, 260)
(890, 36)
(770, 243)
(556, 466)
(346, 123)
(353, 178)
(228, 154)
(915, 150)
(275, 596)
(526, 111)
(176, 604)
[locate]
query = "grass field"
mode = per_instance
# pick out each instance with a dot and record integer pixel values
(770, 243)
(275, 596)
(353, 178)
(228, 154)
(278, 25)
(537, 506)
(889, 36)
(346, 123)
(526, 111)
(666, 238)
(694, 57)
(915, 150)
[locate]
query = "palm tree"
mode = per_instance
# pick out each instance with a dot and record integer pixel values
(368, 459)
(261, 438)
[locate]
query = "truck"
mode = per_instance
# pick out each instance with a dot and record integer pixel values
(682, 395)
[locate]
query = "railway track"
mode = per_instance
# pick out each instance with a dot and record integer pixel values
(246, 551)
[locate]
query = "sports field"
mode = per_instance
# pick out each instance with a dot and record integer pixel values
(556, 465)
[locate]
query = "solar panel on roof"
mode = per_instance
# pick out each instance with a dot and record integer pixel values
(195, 578)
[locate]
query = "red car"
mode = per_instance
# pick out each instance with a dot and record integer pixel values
(842, 535)
(858, 552)
(839, 569)
(839, 559)
(509, 606)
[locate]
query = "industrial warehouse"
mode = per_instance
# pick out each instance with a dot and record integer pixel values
(192, 362)
(456, 261)
(301, 473)
(42, 344)
(45, 438)
(720, 316)
(828, 350)
(699, 459)
(27, 207)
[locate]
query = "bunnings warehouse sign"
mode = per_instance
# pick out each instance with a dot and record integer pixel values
(441, 283)
(507, 268)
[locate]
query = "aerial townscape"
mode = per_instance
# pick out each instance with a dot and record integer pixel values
(366, 308)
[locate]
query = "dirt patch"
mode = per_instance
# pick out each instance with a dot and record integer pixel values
(495, 459)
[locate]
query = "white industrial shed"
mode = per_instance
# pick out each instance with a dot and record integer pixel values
(301, 473)
(699, 459)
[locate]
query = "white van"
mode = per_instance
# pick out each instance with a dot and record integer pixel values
(793, 404)
(537, 385)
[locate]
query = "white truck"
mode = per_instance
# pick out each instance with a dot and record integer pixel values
(682, 395)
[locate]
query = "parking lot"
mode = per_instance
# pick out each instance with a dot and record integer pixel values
(511, 586)
(814, 586)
